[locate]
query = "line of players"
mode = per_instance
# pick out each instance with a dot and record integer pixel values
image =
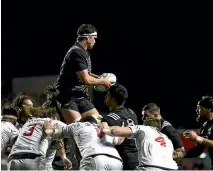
(34, 149)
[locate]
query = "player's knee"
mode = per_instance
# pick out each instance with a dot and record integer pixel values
(70, 116)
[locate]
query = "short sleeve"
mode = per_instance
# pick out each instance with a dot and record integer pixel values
(138, 131)
(109, 120)
(79, 60)
(134, 129)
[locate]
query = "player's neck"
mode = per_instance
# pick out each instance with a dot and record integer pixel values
(83, 44)
(113, 107)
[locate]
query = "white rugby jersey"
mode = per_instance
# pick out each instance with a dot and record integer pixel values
(19, 126)
(32, 138)
(87, 137)
(47, 161)
(8, 132)
(154, 147)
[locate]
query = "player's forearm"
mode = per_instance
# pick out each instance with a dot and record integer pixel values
(94, 75)
(120, 140)
(194, 151)
(205, 142)
(93, 81)
(56, 133)
(59, 133)
(118, 131)
(61, 152)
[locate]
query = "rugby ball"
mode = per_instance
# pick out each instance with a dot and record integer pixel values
(111, 77)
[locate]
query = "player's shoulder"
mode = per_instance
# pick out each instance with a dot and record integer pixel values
(37, 121)
(79, 125)
(131, 112)
(148, 129)
(75, 49)
(8, 125)
(59, 123)
(113, 115)
(5, 124)
(127, 112)
(204, 124)
(139, 127)
(165, 123)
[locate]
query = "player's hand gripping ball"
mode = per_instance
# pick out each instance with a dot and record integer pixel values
(111, 77)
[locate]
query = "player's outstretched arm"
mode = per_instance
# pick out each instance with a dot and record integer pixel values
(61, 152)
(192, 152)
(50, 130)
(200, 140)
(118, 131)
(94, 75)
(65, 131)
(87, 79)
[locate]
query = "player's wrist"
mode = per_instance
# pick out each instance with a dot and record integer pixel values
(102, 81)
(180, 154)
(107, 131)
(199, 139)
(63, 156)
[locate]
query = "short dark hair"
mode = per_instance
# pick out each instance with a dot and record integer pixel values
(20, 100)
(119, 93)
(89, 119)
(86, 29)
(207, 102)
(9, 111)
(150, 106)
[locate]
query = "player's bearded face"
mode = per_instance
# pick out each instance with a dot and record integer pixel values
(108, 99)
(91, 42)
(147, 115)
(201, 114)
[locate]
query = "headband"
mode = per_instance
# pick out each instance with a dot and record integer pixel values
(88, 34)
(9, 116)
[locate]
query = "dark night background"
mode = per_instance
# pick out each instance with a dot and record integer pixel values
(159, 50)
